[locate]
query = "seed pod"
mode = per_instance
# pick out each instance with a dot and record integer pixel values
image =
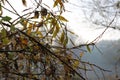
(43, 12)
(36, 14)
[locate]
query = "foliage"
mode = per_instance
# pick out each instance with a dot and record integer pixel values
(34, 45)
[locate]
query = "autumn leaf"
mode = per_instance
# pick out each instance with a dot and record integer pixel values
(24, 41)
(56, 30)
(55, 3)
(62, 18)
(58, 2)
(29, 28)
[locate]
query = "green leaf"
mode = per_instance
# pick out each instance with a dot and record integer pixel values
(65, 41)
(6, 41)
(6, 18)
(88, 48)
(3, 31)
(12, 28)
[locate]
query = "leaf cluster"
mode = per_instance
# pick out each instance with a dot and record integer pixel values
(34, 45)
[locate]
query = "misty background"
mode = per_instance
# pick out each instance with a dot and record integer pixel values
(107, 53)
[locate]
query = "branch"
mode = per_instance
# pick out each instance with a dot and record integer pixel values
(96, 39)
(45, 49)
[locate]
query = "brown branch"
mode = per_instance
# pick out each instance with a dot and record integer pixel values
(45, 49)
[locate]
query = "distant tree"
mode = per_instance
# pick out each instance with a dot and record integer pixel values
(34, 46)
(103, 12)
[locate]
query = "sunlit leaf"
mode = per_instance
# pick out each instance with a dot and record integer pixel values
(6, 18)
(55, 3)
(39, 33)
(24, 23)
(62, 18)
(57, 28)
(60, 2)
(29, 28)
(24, 2)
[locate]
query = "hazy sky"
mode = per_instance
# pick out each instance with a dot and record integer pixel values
(108, 44)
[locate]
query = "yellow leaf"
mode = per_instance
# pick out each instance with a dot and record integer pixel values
(60, 2)
(24, 23)
(30, 28)
(62, 18)
(24, 2)
(76, 63)
(57, 28)
(62, 37)
(55, 3)
(39, 33)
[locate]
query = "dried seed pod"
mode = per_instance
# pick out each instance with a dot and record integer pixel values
(43, 12)
(36, 14)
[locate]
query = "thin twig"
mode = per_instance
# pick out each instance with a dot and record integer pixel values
(45, 49)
